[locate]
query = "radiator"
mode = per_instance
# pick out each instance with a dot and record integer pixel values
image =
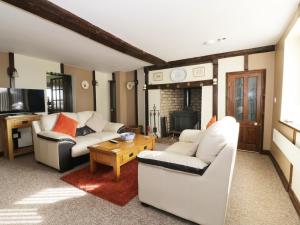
(291, 151)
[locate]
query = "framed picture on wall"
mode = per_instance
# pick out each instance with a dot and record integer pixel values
(199, 71)
(158, 76)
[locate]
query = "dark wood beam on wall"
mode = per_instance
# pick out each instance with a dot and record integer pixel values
(62, 17)
(94, 84)
(112, 91)
(136, 98)
(62, 68)
(215, 87)
(11, 68)
(246, 62)
(146, 100)
(210, 58)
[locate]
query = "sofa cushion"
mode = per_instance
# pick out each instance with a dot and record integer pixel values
(71, 115)
(65, 125)
(48, 121)
(114, 127)
(82, 142)
(105, 136)
(211, 121)
(191, 135)
(85, 130)
(214, 139)
(83, 117)
(183, 148)
(96, 122)
(173, 161)
(55, 136)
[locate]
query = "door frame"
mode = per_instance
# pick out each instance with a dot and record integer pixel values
(263, 94)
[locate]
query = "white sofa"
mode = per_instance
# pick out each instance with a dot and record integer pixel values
(62, 151)
(192, 178)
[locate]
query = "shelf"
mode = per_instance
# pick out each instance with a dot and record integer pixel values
(24, 150)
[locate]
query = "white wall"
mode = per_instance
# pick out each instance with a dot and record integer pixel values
(291, 80)
(208, 74)
(32, 71)
(206, 105)
(103, 94)
(226, 65)
(141, 97)
(266, 61)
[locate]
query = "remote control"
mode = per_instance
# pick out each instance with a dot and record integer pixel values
(114, 141)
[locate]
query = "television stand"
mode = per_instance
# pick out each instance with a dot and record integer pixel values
(7, 124)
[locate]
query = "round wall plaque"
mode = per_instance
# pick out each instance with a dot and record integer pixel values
(178, 75)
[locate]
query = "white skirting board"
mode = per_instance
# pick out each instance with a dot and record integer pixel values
(291, 151)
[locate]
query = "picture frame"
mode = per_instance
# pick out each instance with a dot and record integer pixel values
(158, 76)
(199, 71)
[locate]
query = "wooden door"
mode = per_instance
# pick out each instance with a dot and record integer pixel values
(245, 102)
(61, 94)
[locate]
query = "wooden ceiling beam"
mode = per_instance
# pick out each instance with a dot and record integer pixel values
(62, 17)
(211, 58)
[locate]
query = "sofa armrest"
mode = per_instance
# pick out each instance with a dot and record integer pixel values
(173, 161)
(36, 127)
(56, 137)
(113, 127)
(191, 135)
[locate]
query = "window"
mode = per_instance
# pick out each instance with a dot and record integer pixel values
(290, 108)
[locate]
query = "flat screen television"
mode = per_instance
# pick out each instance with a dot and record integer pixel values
(15, 100)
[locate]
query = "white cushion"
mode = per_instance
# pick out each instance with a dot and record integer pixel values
(171, 157)
(48, 121)
(96, 122)
(83, 117)
(112, 127)
(104, 136)
(71, 115)
(82, 142)
(183, 148)
(215, 138)
(55, 135)
(191, 135)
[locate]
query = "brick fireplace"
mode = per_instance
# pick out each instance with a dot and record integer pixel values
(181, 108)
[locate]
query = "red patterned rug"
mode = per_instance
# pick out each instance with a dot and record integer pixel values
(101, 183)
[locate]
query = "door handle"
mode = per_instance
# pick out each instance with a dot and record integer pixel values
(255, 124)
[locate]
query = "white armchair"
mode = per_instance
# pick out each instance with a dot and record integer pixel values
(193, 186)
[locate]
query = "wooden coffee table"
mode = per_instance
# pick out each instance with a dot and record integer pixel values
(116, 155)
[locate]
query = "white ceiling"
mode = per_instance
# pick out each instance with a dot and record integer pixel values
(168, 29)
(24, 33)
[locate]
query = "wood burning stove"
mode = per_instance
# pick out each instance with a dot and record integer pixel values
(185, 119)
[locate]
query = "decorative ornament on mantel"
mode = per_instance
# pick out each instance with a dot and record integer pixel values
(178, 75)
(85, 84)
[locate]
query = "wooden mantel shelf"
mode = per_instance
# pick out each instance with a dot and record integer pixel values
(191, 84)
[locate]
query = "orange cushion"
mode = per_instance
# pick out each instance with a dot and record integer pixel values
(211, 121)
(65, 125)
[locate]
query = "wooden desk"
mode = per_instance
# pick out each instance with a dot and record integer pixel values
(7, 124)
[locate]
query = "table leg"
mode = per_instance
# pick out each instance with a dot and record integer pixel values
(10, 146)
(117, 172)
(116, 167)
(92, 164)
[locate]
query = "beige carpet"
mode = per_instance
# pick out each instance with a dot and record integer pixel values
(31, 193)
